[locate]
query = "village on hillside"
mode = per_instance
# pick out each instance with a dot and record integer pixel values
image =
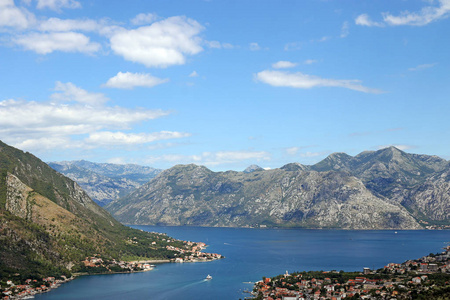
(96, 264)
(422, 278)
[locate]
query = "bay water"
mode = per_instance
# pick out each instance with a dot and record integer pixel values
(250, 255)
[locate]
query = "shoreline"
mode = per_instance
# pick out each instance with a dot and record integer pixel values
(31, 295)
(447, 227)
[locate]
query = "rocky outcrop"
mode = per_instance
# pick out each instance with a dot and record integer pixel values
(17, 197)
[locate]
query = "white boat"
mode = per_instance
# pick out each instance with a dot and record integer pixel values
(209, 277)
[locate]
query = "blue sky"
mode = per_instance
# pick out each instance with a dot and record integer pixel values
(224, 84)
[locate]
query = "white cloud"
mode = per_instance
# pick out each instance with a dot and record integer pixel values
(282, 64)
(364, 20)
(45, 43)
(193, 74)
(18, 117)
(108, 138)
(422, 67)
(425, 16)
(142, 19)
(70, 92)
(56, 5)
(161, 44)
(131, 80)
(344, 30)
(14, 17)
(304, 81)
(65, 123)
(218, 45)
(254, 47)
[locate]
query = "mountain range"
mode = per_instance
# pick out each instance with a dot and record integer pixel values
(104, 182)
(382, 189)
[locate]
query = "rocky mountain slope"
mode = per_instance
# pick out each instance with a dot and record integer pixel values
(400, 178)
(373, 190)
(48, 224)
(105, 182)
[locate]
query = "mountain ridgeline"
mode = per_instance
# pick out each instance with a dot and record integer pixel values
(385, 189)
(104, 182)
(48, 224)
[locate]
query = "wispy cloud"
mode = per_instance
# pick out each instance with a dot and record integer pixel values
(426, 15)
(118, 138)
(45, 43)
(364, 20)
(69, 92)
(76, 118)
(282, 64)
(312, 154)
(345, 30)
(304, 81)
(218, 45)
(310, 61)
(293, 46)
(293, 151)
(422, 67)
(129, 80)
(254, 47)
(193, 74)
(57, 5)
(212, 158)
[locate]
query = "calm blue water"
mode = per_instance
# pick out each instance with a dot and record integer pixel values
(250, 255)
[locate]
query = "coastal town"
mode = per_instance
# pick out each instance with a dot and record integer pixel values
(96, 264)
(31, 287)
(424, 278)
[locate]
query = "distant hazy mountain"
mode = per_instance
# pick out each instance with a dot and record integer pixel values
(105, 182)
(380, 189)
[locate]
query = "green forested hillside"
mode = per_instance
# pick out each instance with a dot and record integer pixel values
(48, 224)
